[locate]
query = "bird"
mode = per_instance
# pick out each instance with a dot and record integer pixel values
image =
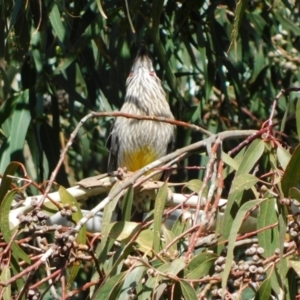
(135, 143)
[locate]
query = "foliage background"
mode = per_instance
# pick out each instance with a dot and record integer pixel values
(61, 59)
(221, 64)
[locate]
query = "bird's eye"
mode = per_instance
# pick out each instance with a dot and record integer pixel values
(152, 73)
(130, 74)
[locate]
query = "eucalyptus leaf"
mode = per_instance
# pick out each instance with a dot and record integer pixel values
(5, 276)
(7, 233)
(233, 235)
(291, 176)
(160, 202)
(111, 288)
(187, 291)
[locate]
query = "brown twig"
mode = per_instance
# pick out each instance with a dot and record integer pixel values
(31, 268)
(208, 174)
(275, 101)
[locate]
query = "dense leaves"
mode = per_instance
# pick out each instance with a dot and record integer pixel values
(60, 60)
(222, 65)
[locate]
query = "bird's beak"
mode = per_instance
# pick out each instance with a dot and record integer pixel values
(142, 60)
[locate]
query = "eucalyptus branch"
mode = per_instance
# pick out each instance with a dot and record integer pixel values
(275, 101)
(180, 152)
(104, 182)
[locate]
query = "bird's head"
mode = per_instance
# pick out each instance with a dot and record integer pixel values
(143, 86)
(142, 64)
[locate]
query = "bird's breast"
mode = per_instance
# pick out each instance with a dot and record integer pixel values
(136, 159)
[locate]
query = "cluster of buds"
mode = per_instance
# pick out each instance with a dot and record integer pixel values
(33, 295)
(218, 294)
(243, 270)
(220, 264)
(33, 221)
(67, 210)
(293, 230)
(254, 266)
(65, 242)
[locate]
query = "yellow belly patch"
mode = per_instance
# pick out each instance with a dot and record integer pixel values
(137, 159)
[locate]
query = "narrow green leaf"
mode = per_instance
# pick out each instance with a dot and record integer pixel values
(38, 60)
(108, 212)
(239, 13)
(249, 159)
(127, 204)
(128, 16)
(7, 108)
(114, 265)
(20, 123)
(259, 65)
(298, 118)
(5, 228)
(159, 291)
(283, 157)
(251, 156)
(165, 63)
(284, 278)
(275, 285)
(294, 193)
(282, 232)
(194, 185)
(145, 241)
(160, 203)
(15, 13)
(57, 24)
(5, 276)
(110, 288)
(264, 291)
(285, 115)
(237, 160)
(206, 67)
(148, 288)
(248, 293)
(16, 269)
(287, 24)
(268, 239)
(163, 269)
(243, 182)
(177, 265)
(179, 226)
(157, 7)
(168, 238)
(239, 218)
(187, 291)
(290, 285)
(123, 231)
(228, 160)
(153, 281)
(291, 176)
(132, 278)
(258, 22)
(65, 63)
(6, 181)
(200, 265)
(295, 264)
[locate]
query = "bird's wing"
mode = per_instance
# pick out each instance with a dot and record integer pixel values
(112, 144)
(171, 145)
